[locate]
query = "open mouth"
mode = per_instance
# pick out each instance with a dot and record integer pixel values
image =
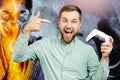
(68, 31)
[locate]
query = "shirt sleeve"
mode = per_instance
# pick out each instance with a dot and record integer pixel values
(97, 70)
(22, 52)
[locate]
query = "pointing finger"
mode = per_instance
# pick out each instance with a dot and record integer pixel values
(45, 20)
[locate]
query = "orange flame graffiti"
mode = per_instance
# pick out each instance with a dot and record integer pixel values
(10, 70)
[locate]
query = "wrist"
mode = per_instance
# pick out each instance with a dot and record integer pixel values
(26, 32)
(105, 59)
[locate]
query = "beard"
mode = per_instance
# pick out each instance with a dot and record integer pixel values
(68, 39)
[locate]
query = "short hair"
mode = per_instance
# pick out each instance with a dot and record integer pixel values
(70, 8)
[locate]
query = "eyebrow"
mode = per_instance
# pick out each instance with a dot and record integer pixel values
(63, 18)
(75, 19)
(72, 19)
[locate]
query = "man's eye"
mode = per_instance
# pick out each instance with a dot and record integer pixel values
(74, 21)
(64, 20)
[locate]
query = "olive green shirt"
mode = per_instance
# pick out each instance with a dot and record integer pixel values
(61, 61)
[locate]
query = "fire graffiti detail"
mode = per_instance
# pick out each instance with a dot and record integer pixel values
(9, 31)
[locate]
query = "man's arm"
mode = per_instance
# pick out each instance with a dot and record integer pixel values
(23, 52)
(100, 71)
(97, 70)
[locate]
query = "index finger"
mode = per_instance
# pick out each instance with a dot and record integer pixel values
(111, 39)
(45, 20)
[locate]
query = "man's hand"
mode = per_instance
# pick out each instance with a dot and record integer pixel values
(106, 49)
(34, 25)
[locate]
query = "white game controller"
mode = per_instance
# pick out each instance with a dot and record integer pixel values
(98, 34)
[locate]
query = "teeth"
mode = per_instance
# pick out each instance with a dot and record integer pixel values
(68, 31)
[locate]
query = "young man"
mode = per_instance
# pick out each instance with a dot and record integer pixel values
(64, 57)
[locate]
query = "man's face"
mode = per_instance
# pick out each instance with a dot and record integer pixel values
(69, 24)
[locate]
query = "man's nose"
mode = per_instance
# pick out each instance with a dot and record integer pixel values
(69, 25)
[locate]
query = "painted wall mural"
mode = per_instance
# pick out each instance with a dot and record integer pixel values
(100, 14)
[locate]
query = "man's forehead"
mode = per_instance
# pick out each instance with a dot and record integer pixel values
(67, 18)
(70, 15)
